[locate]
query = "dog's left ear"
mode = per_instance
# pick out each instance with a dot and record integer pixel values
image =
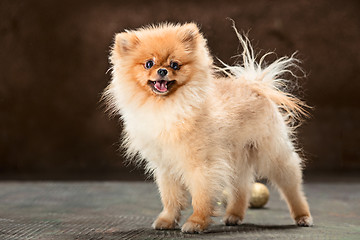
(189, 33)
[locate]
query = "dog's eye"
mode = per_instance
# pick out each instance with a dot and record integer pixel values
(149, 64)
(174, 65)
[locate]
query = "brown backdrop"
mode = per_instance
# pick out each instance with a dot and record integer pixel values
(53, 63)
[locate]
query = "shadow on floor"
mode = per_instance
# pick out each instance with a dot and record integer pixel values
(247, 227)
(213, 232)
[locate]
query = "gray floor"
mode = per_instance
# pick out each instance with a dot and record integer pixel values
(119, 210)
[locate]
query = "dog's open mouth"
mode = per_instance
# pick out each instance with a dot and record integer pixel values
(161, 87)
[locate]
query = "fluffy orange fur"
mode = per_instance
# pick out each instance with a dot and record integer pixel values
(199, 133)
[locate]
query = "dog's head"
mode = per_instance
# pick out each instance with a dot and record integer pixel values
(159, 60)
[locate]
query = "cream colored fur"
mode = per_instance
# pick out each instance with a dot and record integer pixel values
(212, 133)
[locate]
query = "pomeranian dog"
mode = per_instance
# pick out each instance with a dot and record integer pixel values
(199, 131)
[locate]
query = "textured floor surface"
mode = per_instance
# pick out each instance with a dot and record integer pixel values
(118, 210)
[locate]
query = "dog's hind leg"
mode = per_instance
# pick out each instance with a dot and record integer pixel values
(286, 174)
(238, 199)
(238, 191)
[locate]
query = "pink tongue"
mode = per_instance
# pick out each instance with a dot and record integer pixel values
(161, 86)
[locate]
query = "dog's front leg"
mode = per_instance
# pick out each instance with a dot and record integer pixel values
(201, 193)
(173, 197)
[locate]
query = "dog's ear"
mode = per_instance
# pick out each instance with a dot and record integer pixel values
(189, 33)
(125, 42)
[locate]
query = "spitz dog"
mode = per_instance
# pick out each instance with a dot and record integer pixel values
(199, 131)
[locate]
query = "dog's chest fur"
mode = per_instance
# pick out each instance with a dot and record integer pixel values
(158, 137)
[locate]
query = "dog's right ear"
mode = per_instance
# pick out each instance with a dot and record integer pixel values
(125, 42)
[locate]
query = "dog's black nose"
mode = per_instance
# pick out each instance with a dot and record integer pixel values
(162, 72)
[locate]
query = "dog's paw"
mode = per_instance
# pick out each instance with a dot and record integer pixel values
(304, 221)
(163, 224)
(193, 227)
(232, 220)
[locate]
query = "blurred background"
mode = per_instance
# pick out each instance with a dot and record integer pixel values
(54, 59)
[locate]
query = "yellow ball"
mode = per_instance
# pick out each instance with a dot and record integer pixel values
(259, 195)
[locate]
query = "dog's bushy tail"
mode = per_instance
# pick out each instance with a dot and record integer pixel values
(269, 78)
